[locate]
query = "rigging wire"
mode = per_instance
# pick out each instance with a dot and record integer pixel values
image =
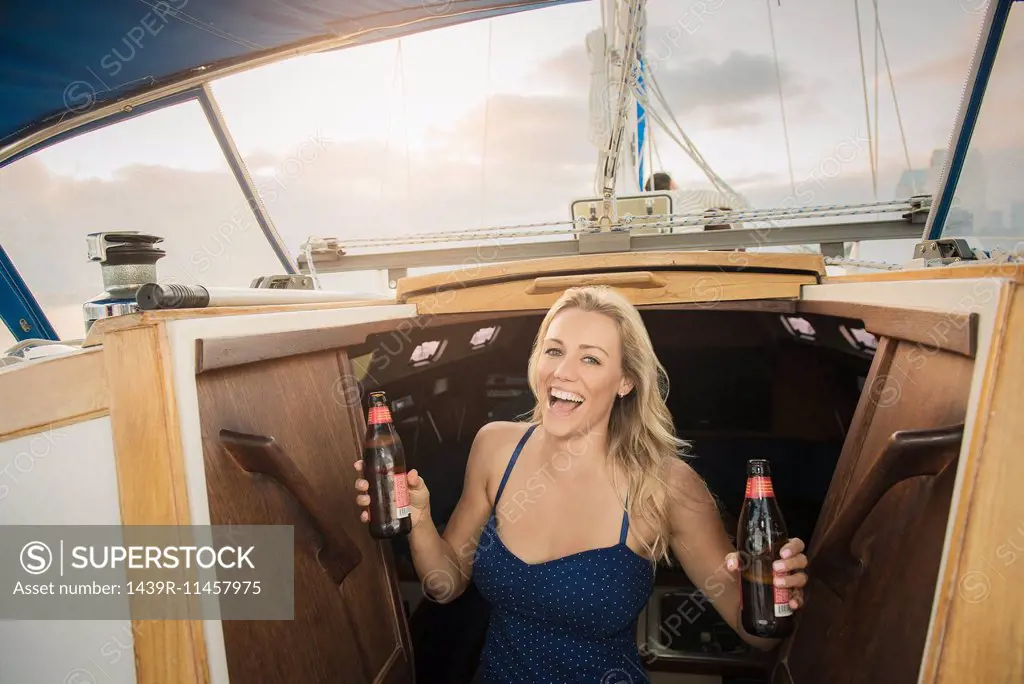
(692, 220)
(895, 100)
(405, 121)
(782, 106)
(656, 153)
(878, 28)
(867, 108)
(487, 107)
(683, 140)
(387, 146)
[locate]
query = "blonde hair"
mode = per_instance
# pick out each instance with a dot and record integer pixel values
(641, 434)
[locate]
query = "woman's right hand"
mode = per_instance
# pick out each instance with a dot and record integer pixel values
(419, 496)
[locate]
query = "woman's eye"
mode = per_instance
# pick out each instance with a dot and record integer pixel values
(552, 351)
(591, 359)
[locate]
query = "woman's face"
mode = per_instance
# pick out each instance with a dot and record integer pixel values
(579, 372)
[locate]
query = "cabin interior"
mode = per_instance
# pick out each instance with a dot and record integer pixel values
(743, 384)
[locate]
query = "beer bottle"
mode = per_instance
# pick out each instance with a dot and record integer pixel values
(384, 469)
(760, 538)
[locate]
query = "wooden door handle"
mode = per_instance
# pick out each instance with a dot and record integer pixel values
(908, 453)
(338, 555)
(619, 279)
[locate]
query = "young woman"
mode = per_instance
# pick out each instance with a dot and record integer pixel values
(561, 520)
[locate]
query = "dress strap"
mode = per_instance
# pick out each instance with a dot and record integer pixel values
(512, 462)
(625, 523)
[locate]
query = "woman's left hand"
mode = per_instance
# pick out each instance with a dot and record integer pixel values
(793, 563)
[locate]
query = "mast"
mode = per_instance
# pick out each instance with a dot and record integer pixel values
(641, 114)
(614, 52)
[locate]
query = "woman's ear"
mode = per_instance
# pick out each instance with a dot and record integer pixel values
(625, 387)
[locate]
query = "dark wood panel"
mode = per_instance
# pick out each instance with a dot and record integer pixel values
(909, 454)
(945, 330)
(867, 621)
(397, 669)
(262, 455)
(761, 305)
(343, 634)
(225, 352)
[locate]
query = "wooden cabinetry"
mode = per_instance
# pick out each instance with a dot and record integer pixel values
(876, 551)
(240, 417)
(279, 441)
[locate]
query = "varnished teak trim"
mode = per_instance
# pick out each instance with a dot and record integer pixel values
(152, 487)
(980, 592)
(48, 393)
(146, 318)
(614, 279)
(948, 331)
(696, 261)
(1010, 271)
(709, 288)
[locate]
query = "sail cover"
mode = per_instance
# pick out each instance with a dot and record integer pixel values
(59, 59)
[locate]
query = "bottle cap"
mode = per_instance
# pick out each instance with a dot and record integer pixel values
(758, 466)
(379, 412)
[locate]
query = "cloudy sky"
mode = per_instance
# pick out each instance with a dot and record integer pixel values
(488, 124)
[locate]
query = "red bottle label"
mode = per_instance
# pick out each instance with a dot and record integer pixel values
(759, 487)
(782, 608)
(378, 415)
(402, 495)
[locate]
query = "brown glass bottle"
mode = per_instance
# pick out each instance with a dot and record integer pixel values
(384, 469)
(760, 538)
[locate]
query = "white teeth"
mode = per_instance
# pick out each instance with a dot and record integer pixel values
(568, 396)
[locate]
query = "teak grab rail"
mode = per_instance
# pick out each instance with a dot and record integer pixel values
(262, 455)
(618, 279)
(908, 453)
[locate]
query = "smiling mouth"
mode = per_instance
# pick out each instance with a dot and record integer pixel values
(563, 402)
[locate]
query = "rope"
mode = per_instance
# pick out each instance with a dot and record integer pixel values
(782, 106)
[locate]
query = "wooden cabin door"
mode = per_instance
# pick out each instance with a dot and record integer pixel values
(279, 440)
(875, 553)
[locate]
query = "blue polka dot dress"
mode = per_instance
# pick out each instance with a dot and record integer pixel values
(567, 620)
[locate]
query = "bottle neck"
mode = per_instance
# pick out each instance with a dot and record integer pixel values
(378, 415)
(759, 487)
